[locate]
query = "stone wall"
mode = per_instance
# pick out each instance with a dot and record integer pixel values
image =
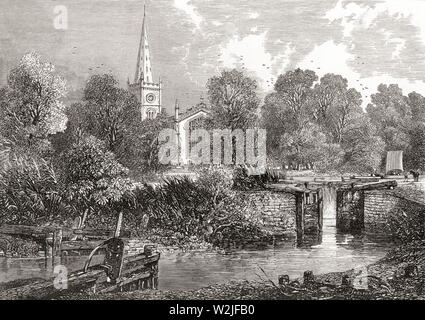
(135, 246)
(379, 204)
(275, 210)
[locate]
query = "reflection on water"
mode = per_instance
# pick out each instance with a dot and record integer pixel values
(336, 252)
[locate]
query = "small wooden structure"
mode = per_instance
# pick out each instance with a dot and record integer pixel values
(56, 241)
(117, 273)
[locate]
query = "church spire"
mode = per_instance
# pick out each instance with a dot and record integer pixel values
(143, 69)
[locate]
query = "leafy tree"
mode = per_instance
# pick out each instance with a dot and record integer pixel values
(31, 106)
(363, 147)
(305, 147)
(94, 178)
(391, 113)
(294, 89)
(234, 100)
(107, 111)
(330, 87)
(140, 148)
(415, 155)
(334, 106)
(417, 106)
(285, 112)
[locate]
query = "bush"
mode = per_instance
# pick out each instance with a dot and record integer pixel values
(16, 246)
(30, 193)
(408, 224)
(243, 181)
(207, 209)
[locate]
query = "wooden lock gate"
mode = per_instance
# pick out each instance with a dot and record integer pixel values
(117, 273)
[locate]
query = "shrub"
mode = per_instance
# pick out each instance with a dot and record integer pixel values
(29, 192)
(207, 209)
(243, 181)
(408, 224)
(16, 246)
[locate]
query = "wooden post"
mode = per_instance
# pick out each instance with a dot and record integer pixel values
(320, 208)
(300, 208)
(308, 277)
(118, 227)
(345, 280)
(83, 220)
(283, 280)
(57, 244)
(46, 249)
(114, 258)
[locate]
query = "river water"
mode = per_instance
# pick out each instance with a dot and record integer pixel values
(193, 270)
(330, 252)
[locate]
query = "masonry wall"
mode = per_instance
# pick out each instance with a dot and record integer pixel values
(378, 205)
(135, 246)
(274, 210)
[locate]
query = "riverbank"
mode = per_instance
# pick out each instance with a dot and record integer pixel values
(400, 275)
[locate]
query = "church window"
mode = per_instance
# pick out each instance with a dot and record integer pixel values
(150, 114)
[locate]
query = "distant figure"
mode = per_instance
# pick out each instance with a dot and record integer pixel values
(375, 173)
(415, 175)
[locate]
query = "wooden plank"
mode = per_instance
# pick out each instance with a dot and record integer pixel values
(66, 232)
(101, 233)
(153, 258)
(126, 281)
(136, 277)
(371, 185)
(45, 289)
(79, 245)
(287, 188)
(26, 230)
(139, 268)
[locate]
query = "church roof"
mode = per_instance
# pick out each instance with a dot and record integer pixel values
(200, 107)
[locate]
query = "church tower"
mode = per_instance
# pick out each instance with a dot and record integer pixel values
(144, 87)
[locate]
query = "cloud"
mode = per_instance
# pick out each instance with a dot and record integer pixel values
(253, 15)
(249, 53)
(362, 16)
(189, 9)
(330, 57)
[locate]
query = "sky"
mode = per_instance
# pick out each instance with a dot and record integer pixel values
(368, 42)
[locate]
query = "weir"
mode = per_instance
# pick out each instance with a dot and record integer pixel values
(329, 207)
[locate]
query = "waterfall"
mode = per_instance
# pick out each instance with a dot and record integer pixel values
(329, 219)
(329, 207)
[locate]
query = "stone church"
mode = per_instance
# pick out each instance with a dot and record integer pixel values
(149, 95)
